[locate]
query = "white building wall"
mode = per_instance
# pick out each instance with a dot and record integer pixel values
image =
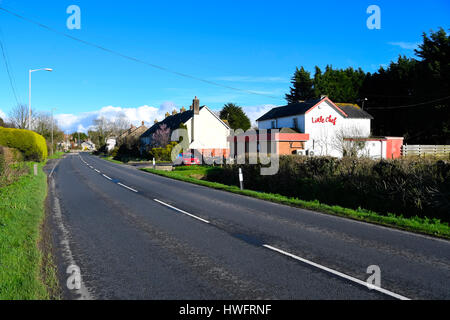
(209, 131)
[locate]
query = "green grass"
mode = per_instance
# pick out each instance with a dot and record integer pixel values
(56, 155)
(110, 159)
(21, 216)
(432, 227)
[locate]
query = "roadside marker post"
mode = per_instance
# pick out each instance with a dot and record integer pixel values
(241, 179)
(35, 169)
(154, 164)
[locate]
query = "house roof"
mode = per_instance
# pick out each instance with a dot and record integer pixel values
(172, 122)
(289, 110)
(354, 111)
(346, 109)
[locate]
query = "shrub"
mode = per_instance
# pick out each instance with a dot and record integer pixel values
(31, 144)
(405, 187)
(162, 154)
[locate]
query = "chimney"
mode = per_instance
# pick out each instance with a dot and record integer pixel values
(196, 106)
(167, 114)
(156, 121)
(174, 112)
(182, 110)
(143, 123)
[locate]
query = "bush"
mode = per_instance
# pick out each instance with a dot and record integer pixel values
(31, 144)
(162, 154)
(405, 187)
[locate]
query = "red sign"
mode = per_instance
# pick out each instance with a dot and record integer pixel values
(323, 120)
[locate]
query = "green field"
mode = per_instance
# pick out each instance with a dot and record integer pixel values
(23, 273)
(432, 227)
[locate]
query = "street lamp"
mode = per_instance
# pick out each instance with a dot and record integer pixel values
(29, 93)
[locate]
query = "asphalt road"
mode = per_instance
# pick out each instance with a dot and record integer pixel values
(135, 235)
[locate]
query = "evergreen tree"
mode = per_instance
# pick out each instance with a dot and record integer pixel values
(302, 87)
(235, 117)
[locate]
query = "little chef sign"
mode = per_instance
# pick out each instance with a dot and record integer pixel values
(321, 119)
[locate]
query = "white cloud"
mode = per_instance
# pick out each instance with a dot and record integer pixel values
(2, 115)
(255, 112)
(83, 121)
(405, 45)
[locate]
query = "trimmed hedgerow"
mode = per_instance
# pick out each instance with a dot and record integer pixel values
(31, 144)
(419, 187)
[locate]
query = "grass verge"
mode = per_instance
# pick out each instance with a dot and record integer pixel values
(56, 155)
(21, 261)
(433, 227)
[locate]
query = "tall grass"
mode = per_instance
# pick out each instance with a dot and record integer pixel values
(21, 214)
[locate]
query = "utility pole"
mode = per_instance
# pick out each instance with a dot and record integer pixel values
(29, 92)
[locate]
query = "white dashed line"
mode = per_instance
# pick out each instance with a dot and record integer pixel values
(97, 171)
(120, 184)
(107, 177)
(337, 273)
(182, 211)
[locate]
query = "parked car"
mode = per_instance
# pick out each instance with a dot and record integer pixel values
(187, 159)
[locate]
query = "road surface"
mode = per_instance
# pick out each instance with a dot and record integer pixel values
(135, 235)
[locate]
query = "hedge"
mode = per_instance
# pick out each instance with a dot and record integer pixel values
(404, 187)
(31, 144)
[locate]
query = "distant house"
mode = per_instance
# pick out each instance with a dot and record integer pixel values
(111, 144)
(87, 146)
(130, 135)
(207, 134)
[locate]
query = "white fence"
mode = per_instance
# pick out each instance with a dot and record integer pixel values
(426, 150)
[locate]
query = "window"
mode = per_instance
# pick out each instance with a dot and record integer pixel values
(295, 123)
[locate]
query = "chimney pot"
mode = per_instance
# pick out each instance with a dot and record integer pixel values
(196, 105)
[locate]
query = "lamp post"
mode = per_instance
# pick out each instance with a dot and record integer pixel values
(364, 100)
(29, 93)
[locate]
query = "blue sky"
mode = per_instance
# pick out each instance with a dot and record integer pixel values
(251, 45)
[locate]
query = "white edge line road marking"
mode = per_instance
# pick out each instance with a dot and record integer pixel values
(107, 177)
(51, 173)
(337, 273)
(120, 184)
(179, 210)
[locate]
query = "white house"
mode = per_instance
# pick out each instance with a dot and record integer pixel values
(206, 133)
(88, 146)
(111, 144)
(322, 127)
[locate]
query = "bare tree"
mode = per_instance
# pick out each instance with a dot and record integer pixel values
(119, 125)
(19, 116)
(348, 141)
(161, 137)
